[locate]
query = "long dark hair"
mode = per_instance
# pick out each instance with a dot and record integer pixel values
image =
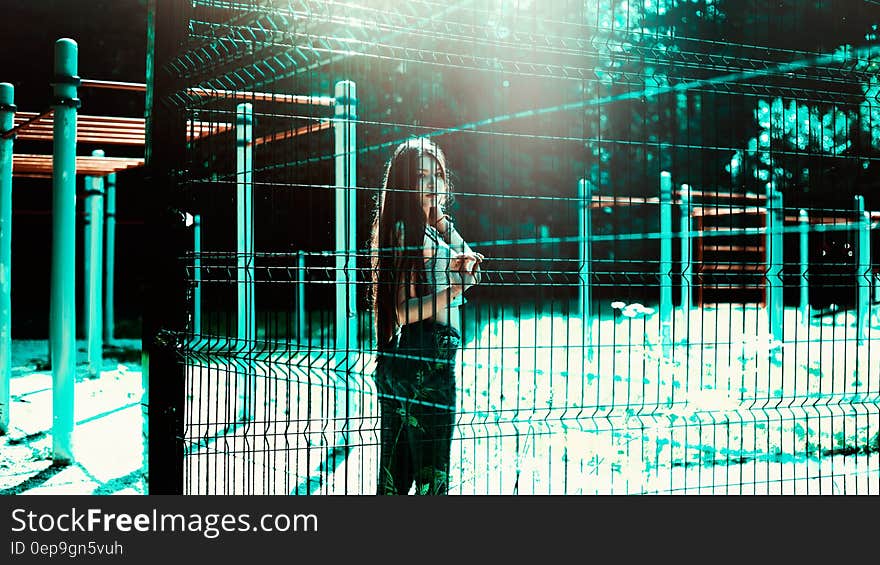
(398, 231)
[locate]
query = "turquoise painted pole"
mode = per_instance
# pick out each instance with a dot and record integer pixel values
(804, 235)
(83, 331)
(244, 137)
(197, 274)
(735, 169)
(301, 297)
(244, 119)
(345, 150)
(110, 257)
(62, 327)
(345, 113)
(666, 260)
(686, 262)
(93, 257)
(585, 259)
(863, 275)
(7, 121)
(774, 263)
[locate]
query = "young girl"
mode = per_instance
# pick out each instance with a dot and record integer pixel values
(421, 267)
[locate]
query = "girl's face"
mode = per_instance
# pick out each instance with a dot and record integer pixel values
(431, 184)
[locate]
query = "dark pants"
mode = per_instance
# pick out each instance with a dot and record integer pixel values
(416, 382)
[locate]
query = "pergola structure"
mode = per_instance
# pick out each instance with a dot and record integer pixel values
(116, 130)
(103, 130)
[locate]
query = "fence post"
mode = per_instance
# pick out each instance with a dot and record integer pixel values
(345, 114)
(804, 248)
(301, 298)
(197, 274)
(585, 257)
(244, 201)
(110, 256)
(863, 275)
(666, 260)
(62, 327)
(774, 263)
(244, 119)
(686, 248)
(345, 150)
(93, 227)
(7, 121)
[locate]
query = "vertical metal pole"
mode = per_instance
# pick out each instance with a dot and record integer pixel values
(245, 216)
(197, 274)
(863, 274)
(686, 263)
(110, 257)
(93, 226)
(164, 375)
(244, 120)
(83, 331)
(666, 260)
(804, 248)
(774, 263)
(345, 115)
(735, 169)
(7, 121)
(63, 290)
(301, 297)
(585, 235)
(345, 150)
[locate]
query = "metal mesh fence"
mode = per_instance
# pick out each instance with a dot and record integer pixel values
(676, 200)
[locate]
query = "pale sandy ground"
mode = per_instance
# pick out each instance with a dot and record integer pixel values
(107, 438)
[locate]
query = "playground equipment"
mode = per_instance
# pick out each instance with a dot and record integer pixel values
(64, 126)
(60, 125)
(62, 316)
(7, 113)
(94, 260)
(755, 257)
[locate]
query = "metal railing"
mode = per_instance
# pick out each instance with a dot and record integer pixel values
(651, 319)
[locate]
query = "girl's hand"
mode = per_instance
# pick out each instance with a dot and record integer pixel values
(439, 221)
(466, 263)
(467, 267)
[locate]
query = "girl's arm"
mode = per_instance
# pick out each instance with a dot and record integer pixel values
(450, 234)
(415, 309)
(411, 310)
